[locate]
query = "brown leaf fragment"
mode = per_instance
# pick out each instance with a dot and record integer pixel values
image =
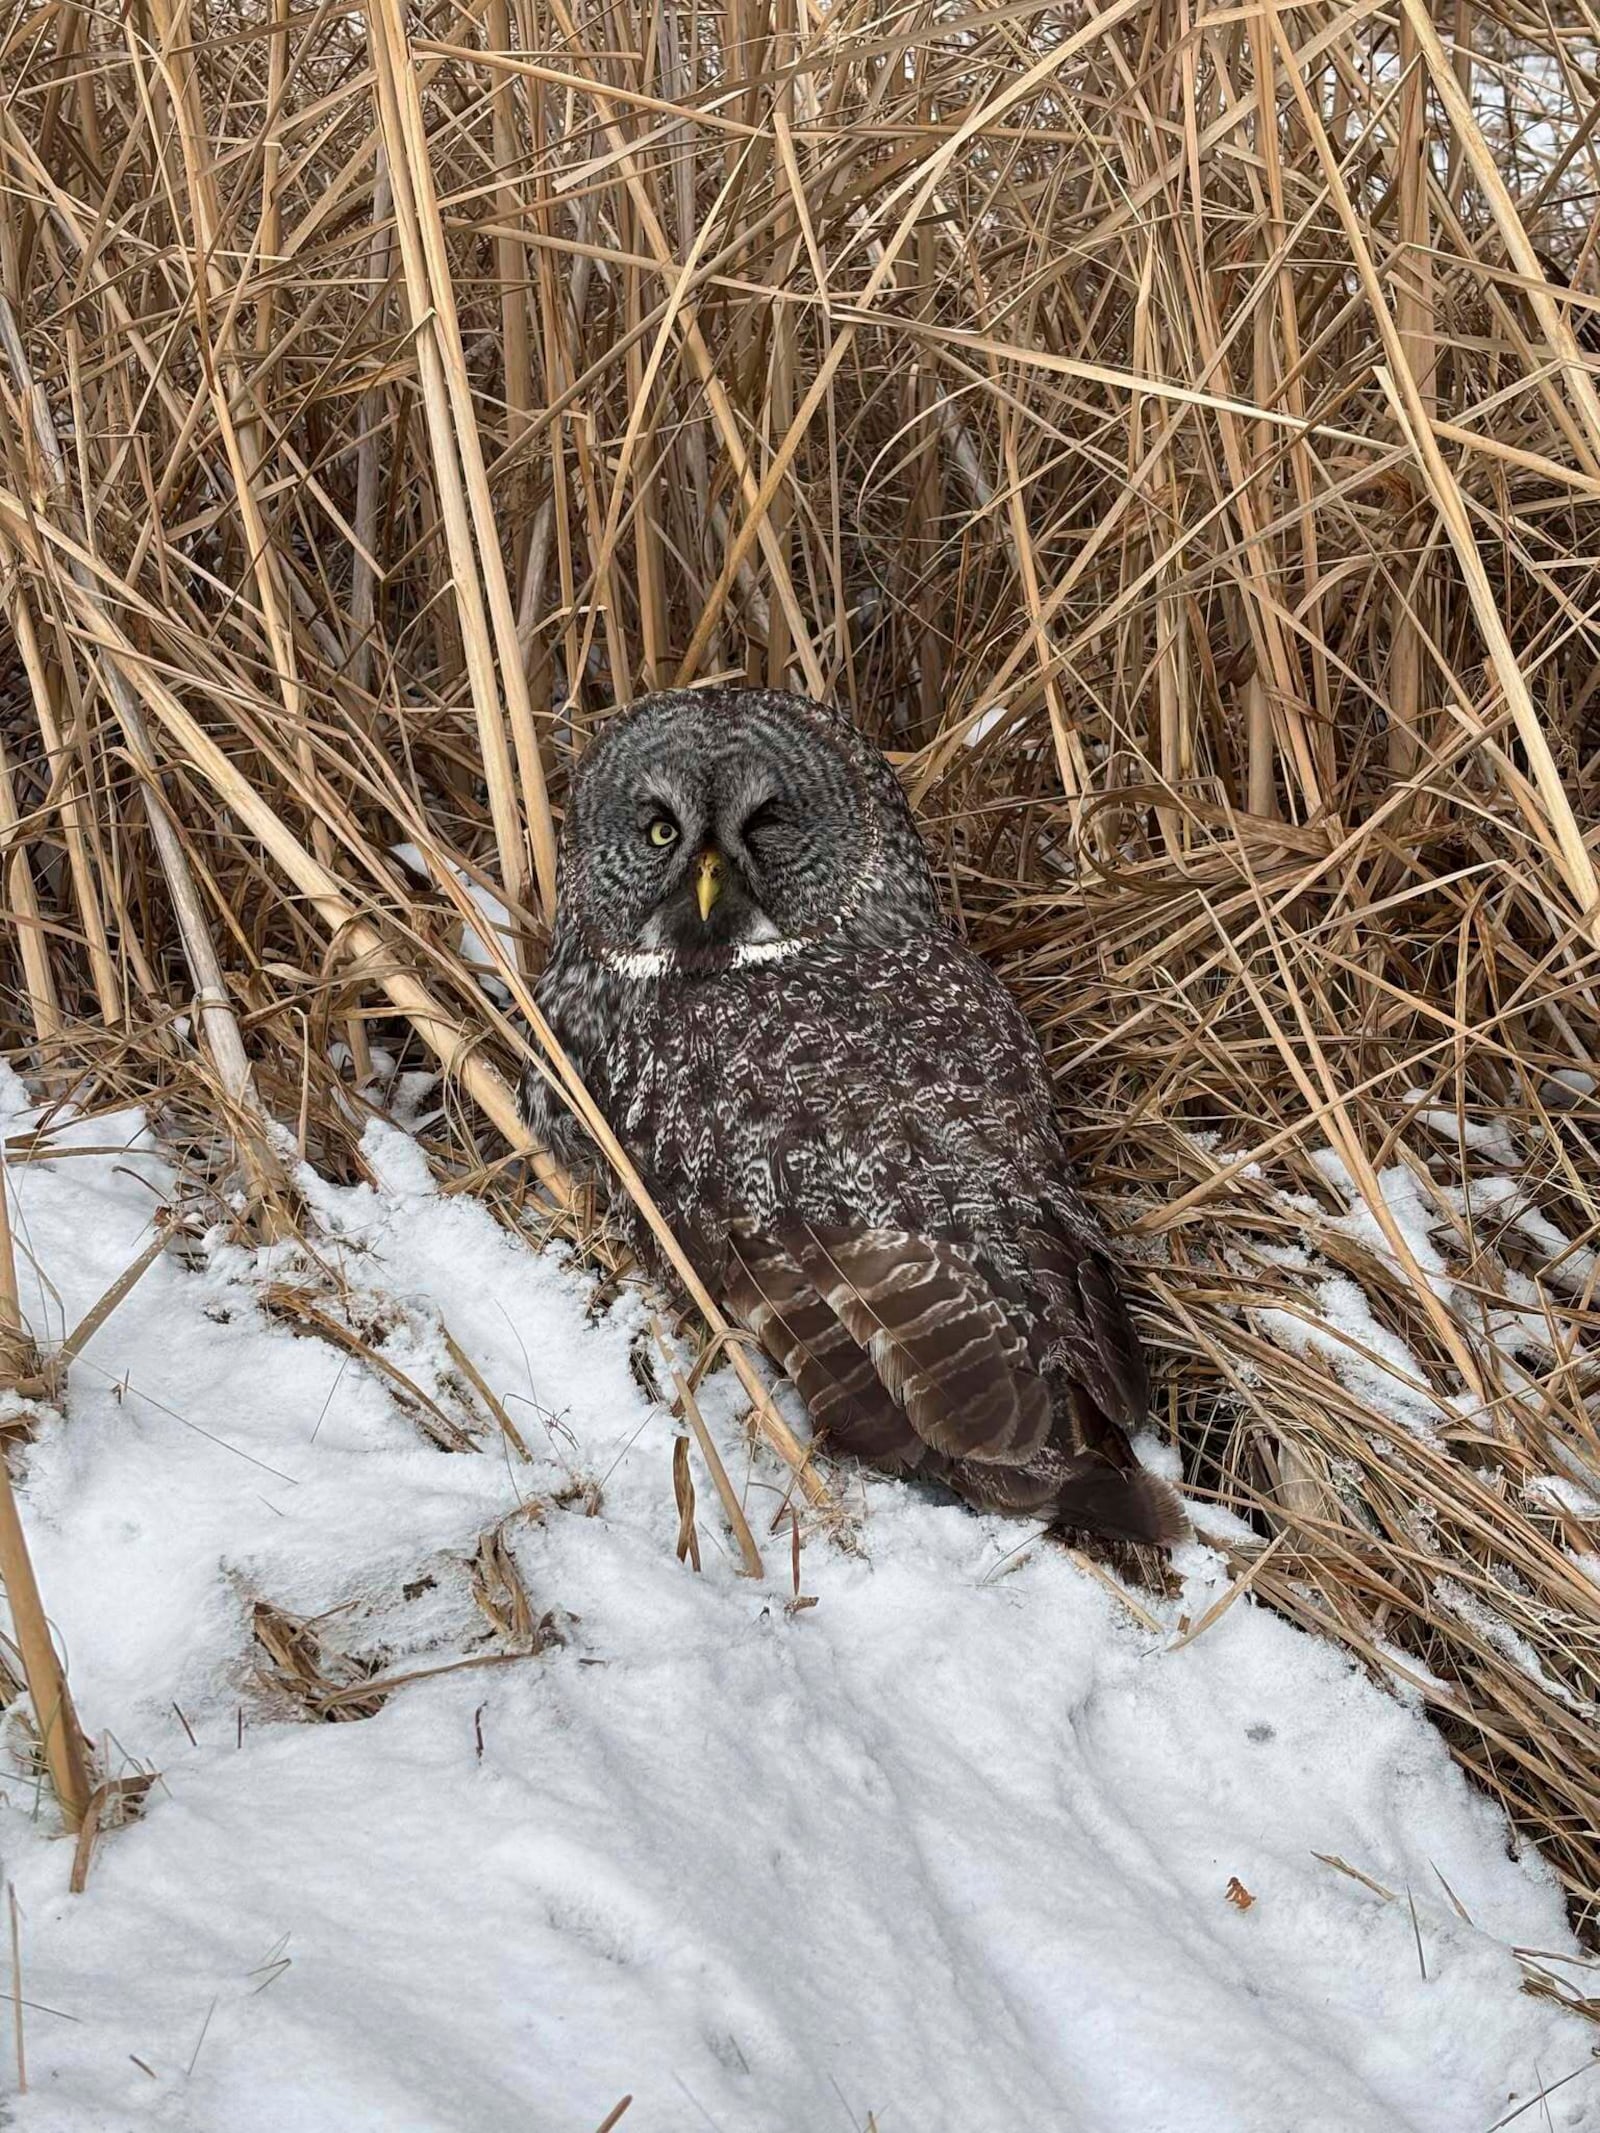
(683, 1491)
(118, 1801)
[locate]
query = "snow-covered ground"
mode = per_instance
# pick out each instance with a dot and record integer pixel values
(950, 1849)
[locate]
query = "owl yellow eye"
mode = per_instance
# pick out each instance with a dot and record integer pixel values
(662, 832)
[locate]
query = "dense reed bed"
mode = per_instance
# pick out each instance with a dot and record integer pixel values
(1172, 429)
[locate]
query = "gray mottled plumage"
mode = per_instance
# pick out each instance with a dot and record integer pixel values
(838, 1108)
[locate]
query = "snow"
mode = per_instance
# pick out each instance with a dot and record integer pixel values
(951, 1847)
(1375, 1363)
(1334, 1317)
(982, 723)
(1336, 1321)
(1408, 1209)
(474, 942)
(1491, 1137)
(1453, 1598)
(1568, 1265)
(1571, 1082)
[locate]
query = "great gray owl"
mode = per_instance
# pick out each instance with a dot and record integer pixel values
(837, 1107)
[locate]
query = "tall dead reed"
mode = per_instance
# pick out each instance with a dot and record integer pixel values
(1173, 430)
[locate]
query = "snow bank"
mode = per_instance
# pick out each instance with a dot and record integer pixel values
(952, 1847)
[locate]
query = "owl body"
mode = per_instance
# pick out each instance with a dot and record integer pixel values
(843, 1116)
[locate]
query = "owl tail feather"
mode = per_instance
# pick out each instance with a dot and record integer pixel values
(1124, 1506)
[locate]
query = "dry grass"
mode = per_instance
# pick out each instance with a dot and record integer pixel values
(1196, 393)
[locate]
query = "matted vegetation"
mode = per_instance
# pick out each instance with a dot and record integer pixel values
(1169, 431)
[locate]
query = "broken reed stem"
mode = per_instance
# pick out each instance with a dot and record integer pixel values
(400, 124)
(689, 1407)
(1414, 319)
(1575, 858)
(15, 1344)
(459, 467)
(1553, 321)
(60, 1740)
(65, 766)
(23, 898)
(369, 425)
(16, 1989)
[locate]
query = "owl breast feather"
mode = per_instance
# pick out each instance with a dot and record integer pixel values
(891, 1086)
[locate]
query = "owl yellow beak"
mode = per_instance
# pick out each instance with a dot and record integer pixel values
(710, 871)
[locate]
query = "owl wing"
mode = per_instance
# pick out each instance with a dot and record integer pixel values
(898, 1342)
(907, 1357)
(1092, 1338)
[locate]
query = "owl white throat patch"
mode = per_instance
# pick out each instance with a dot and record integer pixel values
(656, 962)
(769, 946)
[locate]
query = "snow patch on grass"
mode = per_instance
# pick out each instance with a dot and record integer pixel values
(952, 1846)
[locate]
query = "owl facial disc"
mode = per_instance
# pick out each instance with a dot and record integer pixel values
(715, 830)
(710, 832)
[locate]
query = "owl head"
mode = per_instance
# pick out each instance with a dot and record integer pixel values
(712, 828)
